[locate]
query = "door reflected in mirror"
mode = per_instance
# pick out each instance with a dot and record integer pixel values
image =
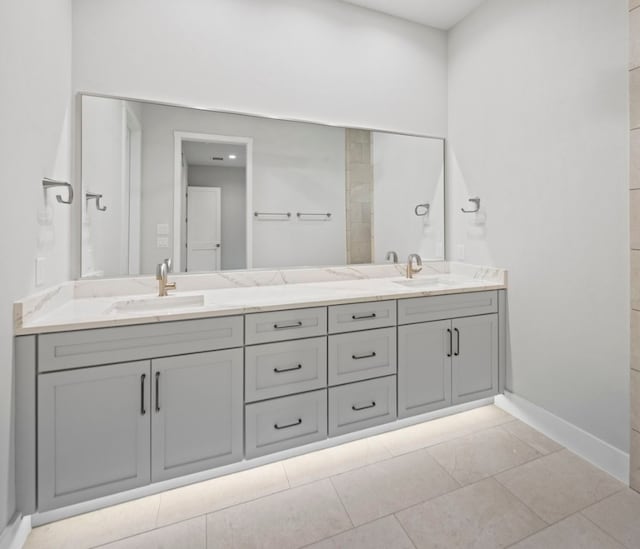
(219, 191)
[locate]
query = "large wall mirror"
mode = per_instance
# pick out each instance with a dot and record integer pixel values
(218, 191)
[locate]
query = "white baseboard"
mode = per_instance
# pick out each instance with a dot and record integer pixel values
(596, 451)
(15, 535)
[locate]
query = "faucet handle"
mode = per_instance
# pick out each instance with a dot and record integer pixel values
(169, 263)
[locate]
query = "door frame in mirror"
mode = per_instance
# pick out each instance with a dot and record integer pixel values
(179, 138)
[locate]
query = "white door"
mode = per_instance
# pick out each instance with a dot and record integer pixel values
(203, 229)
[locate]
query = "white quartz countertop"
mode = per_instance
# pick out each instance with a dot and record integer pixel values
(77, 306)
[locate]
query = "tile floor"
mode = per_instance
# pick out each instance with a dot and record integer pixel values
(479, 479)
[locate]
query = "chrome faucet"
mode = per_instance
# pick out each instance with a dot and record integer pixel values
(392, 256)
(411, 270)
(162, 272)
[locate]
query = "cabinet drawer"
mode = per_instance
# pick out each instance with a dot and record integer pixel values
(362, 355)
(440, 307)
(361, 316)
(361, 405)
(281, 325)
(278, 369)
(108, 345)
(282, 423)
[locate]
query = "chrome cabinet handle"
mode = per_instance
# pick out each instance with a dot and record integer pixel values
(143, 411)
(360, 357)
(157, 391)
(363, 317)
(276, 426)
(358, 408)
(450, 342)
(282, 370)
(297, 324)
(457, 353)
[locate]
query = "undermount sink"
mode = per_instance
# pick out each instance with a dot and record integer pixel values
(158, 303)
(426, 282)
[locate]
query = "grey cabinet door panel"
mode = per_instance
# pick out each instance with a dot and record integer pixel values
(475, 358)
(424, 367)
(93, 432)
(361, 405)
(283, 325)
(361, 316)
(109, 345)
(362, 355)
(440, 307)
(282, 423)
(196, 412)
(279, 369)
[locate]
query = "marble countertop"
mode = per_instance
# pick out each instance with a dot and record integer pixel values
(102, 303)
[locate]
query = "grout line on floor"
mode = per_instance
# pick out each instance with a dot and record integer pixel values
(600, 528)
(344, 507)
(395, 517)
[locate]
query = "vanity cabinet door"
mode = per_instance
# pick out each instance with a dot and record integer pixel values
(93, 432)
(424, 367)
(475, 358)
(196, 410)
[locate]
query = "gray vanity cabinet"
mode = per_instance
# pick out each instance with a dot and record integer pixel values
(424, 367)
(446, 362)
(196, 412)
(474, 364)
(94, 432)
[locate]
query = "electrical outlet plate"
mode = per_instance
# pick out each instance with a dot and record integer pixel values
(39, 274)
(162, 242)
(460, 252)
(162, 228)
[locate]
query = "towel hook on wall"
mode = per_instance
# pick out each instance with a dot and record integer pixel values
(48, 183)
(98, 198)
(476, 201)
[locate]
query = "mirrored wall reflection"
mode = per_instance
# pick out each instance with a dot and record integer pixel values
(217, 191)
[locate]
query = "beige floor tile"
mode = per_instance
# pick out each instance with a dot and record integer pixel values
(385, 533)
(618, 516)
(97, 527)
(558, 485)
(333, 461)
(533, 438)
(634, 460)
(483, 515)
(289, 519)
(212, 495)
(190, 534)
(574, 532)
(388, 486)
(423, 435)
(481, 455)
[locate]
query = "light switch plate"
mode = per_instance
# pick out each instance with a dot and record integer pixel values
(162, 242)
(40, 271)
(162, 228)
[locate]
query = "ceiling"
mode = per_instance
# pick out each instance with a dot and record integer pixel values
(441, 14)
(202, 154)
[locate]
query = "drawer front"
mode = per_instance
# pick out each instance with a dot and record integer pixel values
(282, 325)
(361, 405)
(109, 345)
(285, 422)
(361, 316)
(278, 369)
(362, 355)
(440, 307)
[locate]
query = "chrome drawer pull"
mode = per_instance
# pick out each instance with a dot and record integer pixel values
(363, 317)
(357, 409)
(281, 370)
(360, 357)
(297, 324)
(276, 426)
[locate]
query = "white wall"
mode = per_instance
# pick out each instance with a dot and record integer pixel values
(296, 167)
(407, 171)
(538, 130)
(232, 184)
(320, 60)
(35, 110)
